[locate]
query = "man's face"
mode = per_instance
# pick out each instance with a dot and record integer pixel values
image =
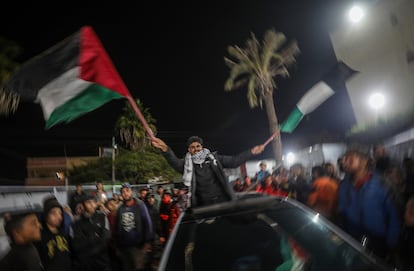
(90, 206)
(55, 217)
(143, 193)
(99, 186)
(248, 180)
(195, 147)
(112, 206)
(352, 162)
(126, 193)
(30, 230)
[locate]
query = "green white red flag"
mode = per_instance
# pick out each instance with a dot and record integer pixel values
(70, 79)
(317, 94)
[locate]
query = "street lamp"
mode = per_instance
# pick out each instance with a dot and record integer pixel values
(376, 102)
(114, 147)
(355, 14)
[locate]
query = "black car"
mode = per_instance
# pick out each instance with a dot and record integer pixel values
(258, 232)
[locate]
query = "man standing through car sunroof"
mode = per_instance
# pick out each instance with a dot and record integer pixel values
(203, 170)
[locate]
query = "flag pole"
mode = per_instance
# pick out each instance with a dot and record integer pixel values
(141, 117)
(271, 137)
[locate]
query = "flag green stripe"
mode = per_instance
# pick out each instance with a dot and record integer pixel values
(292, 121)
(90, 99)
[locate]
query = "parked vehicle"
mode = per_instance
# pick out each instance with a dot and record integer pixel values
(259, 232)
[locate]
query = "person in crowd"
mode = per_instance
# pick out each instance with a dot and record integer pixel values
(112, 206)
(406, 249)
(76, 197)
(237, 185)
(142, 193)
(117, 198)
(157, 196)
(330, 171)
(394, 178)
(340, 166)
(408, 166)
(78, 211)
(165, 213)
(381, 159)
(300, 183)
(247, 184)
(323, 196)
(22, 228)
(90, 235)
(268, 187)
(365, 205)
(133, 231)
(54, 248)
(158, 239)
(101, 196)
(175, 194)
(260, 176)
(203, 170)
(283, 187)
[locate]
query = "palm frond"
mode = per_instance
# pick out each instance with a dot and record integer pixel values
(289, 52)
(9, 101)
(271, 43)
(251, 92)
(253, 52)
(237, 73)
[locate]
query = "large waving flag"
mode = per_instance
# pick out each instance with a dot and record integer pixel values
(74, 77)
(317, 94)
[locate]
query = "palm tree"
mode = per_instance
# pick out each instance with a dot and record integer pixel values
(9, 52)
(256, 67)
(131, 130)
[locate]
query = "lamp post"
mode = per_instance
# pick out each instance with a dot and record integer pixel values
(376, 101)
(356, 13)
(114, 147)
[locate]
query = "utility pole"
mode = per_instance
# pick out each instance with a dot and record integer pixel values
(114, 147)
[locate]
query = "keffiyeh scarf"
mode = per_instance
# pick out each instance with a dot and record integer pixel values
(197, 158)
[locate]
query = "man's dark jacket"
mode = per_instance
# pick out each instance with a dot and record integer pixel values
(216, 163)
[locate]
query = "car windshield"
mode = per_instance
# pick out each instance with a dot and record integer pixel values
(262, 234)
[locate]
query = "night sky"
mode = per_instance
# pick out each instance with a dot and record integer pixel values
(171, 56)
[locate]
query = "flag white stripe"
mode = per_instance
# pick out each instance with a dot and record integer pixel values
(60, 90)
(314, 97)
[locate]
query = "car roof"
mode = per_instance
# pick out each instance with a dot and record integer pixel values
(220, 229)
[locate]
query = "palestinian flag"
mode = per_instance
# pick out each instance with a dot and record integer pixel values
(74, 77)
(317, 94)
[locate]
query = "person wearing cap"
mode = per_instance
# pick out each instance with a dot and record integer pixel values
(90, 236)
(203, 170)
(366, 209)
(23, 228)
(54, 248)
(134, 233)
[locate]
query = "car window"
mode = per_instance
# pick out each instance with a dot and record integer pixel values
(277, 237)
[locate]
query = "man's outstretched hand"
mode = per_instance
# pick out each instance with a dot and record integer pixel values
(258, 149)
(158, 143)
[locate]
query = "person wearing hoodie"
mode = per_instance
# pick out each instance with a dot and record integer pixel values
(54, 248)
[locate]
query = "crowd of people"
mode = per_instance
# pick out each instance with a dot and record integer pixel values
(366, 193)
(126, 231)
